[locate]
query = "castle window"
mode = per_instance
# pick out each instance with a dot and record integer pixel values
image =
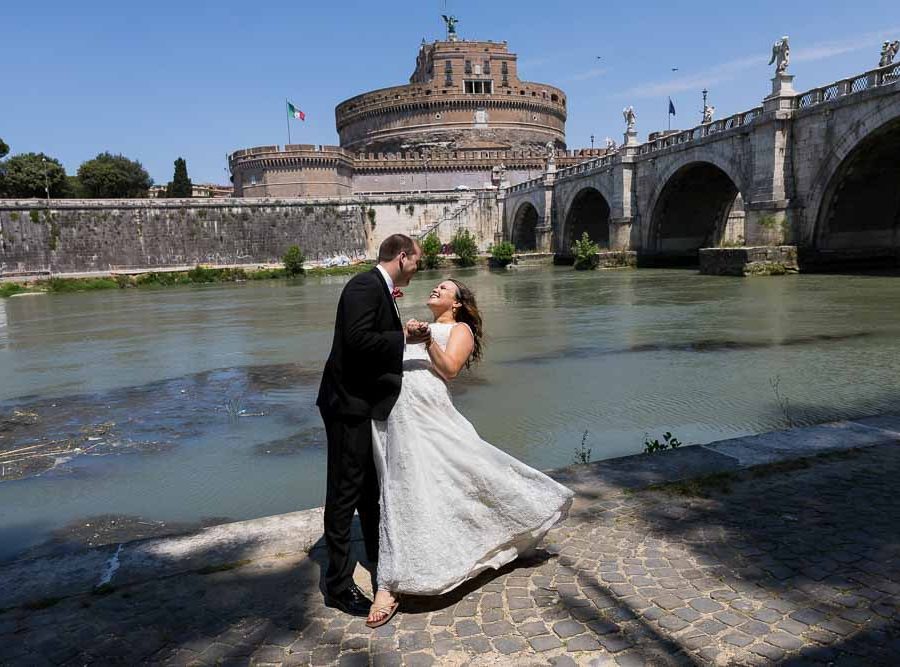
(554, 98)
(504, 68)
(487, 67)
(468, 68)
(479, 87)
(448, 67)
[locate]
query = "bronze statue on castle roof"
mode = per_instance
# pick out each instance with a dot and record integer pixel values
(451, 22)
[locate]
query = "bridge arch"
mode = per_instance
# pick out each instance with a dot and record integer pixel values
(588, 212)
(525, 222)
(690, 210)
(857, 216)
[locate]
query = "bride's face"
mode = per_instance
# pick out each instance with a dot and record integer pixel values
(443, 298)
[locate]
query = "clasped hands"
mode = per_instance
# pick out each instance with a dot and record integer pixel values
(417, 332)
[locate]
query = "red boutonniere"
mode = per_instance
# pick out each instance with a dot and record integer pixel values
(396, 292)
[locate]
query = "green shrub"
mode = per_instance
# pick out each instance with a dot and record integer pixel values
(200, 274)
(585, 252)
(8, 289)
(351, 270)
(503, 253)
(371, 215)
(34, 215)
(465, 247)
(266, 274)
(293, 261)
(583, 454)
(431, 248)
(63, 285)
(669, 442)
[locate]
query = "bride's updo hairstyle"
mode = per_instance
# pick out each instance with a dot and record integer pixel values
(468, 313)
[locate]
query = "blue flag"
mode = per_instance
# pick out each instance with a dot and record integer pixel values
(671, 107)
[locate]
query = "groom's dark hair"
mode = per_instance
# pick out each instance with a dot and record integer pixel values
(393, 245)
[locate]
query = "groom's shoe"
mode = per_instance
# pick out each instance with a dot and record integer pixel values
(350, 601)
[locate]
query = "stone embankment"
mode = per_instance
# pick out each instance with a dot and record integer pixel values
(777, 548)
(91, 236)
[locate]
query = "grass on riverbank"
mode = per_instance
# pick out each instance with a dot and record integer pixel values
(196, 276)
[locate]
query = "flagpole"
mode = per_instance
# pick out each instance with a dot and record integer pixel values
(288, 119)
(669, 114)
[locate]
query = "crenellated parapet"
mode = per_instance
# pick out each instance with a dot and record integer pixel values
(296, 170)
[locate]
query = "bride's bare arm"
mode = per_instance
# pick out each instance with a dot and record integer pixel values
(448, 363)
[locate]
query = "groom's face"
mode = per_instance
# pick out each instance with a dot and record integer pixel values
(408, 266)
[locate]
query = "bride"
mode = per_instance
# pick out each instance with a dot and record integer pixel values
(452, 505)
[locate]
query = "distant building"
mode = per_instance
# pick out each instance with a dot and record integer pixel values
(465, 119)
(199, 190)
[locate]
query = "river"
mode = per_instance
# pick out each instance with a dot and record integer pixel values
(187, 406)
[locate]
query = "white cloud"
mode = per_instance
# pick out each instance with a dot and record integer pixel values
(823, 50)
(722, 72)
(589, 74)
(730, 70)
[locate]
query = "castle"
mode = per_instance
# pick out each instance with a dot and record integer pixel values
(464, 121)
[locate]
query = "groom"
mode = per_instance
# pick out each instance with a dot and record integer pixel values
(360, 383)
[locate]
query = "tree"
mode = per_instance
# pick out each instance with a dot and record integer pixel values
(503, 253)
(74, 189)
(465, 246)
(431, 248)
(293, 261)
(114, 176)
(585, 252)
(180, 185)
(29, 175)
(4, 149)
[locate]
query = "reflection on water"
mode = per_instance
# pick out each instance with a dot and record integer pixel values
(178, 406)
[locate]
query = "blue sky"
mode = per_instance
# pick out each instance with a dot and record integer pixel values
(160, 80)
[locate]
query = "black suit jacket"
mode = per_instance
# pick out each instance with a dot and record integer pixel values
(364, 370)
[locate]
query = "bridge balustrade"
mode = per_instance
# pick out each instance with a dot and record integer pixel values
(872, 79)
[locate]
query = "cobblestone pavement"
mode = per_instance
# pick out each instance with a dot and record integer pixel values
(797, 563)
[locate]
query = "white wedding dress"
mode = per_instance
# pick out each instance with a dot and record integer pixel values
(452, 505)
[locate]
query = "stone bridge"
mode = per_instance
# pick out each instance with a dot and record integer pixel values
(818, 170)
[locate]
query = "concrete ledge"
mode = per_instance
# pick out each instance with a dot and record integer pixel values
(749, 261)
(28, 581)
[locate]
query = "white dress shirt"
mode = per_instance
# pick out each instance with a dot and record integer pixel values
(390, 288)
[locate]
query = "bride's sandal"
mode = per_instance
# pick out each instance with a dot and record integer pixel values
(388, 611)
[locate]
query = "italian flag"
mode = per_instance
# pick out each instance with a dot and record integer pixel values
(294, 112)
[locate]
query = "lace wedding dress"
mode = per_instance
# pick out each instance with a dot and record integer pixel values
(452, 505)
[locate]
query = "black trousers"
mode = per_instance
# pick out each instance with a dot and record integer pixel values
(352, 485)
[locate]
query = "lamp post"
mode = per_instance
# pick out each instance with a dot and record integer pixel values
(592, 142)
(703, 112)
(46, 181)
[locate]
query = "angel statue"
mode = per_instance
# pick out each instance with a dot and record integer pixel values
(551, 152)
(630, 118)
(451, 22)
(708, 112)
(610, 144)
(888, 51)
(781, 55)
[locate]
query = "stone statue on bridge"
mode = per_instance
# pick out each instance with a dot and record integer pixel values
(708, 112)
(611, 145)
(451, 22)
(888, 51)
(551, 152)
(630, 118)
(781, 55)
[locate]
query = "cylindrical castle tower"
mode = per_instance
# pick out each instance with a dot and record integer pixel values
(464, 121)
(463, 95)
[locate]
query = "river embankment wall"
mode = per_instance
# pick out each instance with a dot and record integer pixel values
(83, 236)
